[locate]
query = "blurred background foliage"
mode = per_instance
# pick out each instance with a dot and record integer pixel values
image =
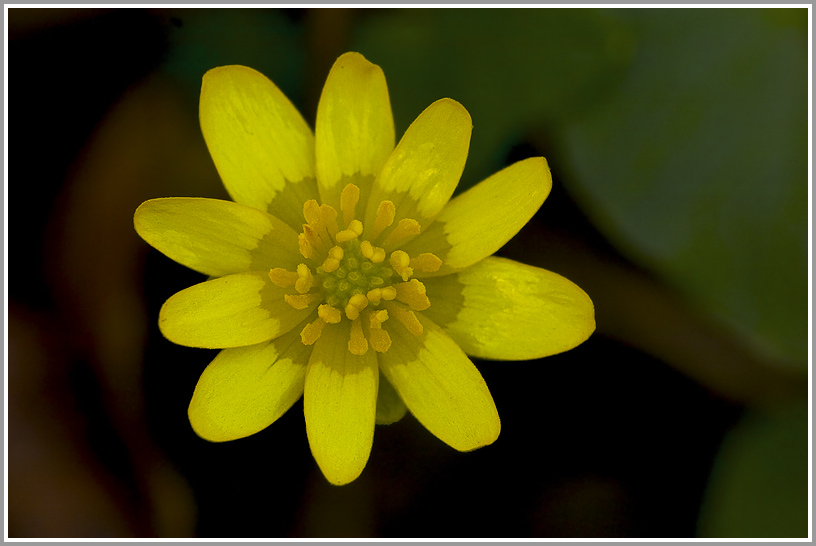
(678, 141)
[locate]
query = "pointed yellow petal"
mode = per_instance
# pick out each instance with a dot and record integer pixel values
(244, 390)
(216, 237)
(355, 127)
(480, 221)
(441, 386)
(231, 311)
(258, 140)
(424, 169)
(504, 310)
(390, 407)
(340, 404)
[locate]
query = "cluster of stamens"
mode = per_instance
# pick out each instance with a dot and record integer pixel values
(352, 277)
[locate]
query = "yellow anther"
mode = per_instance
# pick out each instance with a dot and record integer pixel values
(354, 230)
(305, 247)
(384, 218)
(426, 263)
(413, 294)
(389, 293)
(329, 218)
(374, 295)
(348, 202)
(313, 237)
(373, 253)
(356, 303)
(380, 340)
(311, 211)
(399, 261)
(406, 317)
(367, 249)
(406, 229)
(305, 279)
(282, 277)
(357, 344)
(332, 261)
(376, 318)
(300, 301)
(329, 314)
(359, 301)
(312, 331)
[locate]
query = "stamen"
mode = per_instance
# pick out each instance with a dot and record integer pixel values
(312, 331)
(332, 262)
(373, 253)
(305, 247)
(299, 301)
(384, 218)
(354, 230)
(374, 295)
(282, 277)
(376, 318)
(348, 202)
(413, 294)
(378, 338)
(313, 237)
(406, 317)
(357, 342)
(426, 263)
(305, 279)
(389, 293)
(329, 218)
(399, 261)
(329, 314)
(356, 303)
(314, 217)
(407, 228)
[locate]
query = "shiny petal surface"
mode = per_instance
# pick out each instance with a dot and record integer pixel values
(340, 404)
(441, 386)
(504, 310)
(425, 167)
(232, 311)
(355, 127)
(244, 390)
(478, 222)
(258, 140)
(216, 237)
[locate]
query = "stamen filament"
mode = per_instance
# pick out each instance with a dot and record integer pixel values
(413, 294)
(384, 218)
(406, 229)
(282, 277)
(357, 342)
(348, 202)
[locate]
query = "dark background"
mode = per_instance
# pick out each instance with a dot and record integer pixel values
(678, 144)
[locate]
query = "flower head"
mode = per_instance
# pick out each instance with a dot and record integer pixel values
(343, 271)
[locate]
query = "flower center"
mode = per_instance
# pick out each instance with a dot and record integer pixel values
(351, 276)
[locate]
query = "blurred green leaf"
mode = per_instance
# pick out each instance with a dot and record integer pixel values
(697, 165)
(759, 485)
(513, 69)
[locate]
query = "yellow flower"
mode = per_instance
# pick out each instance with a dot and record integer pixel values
(343, 271)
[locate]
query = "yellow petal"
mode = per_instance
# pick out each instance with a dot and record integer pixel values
(231, 311)
(340, 404)
(244, 390)
(480, 221)
(355, 127)
(441, 386)
(258, 140)
(216, 237)
(424, 169)
(390, 407)
(504, 310)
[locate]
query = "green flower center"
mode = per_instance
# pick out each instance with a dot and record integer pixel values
(355, 275)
